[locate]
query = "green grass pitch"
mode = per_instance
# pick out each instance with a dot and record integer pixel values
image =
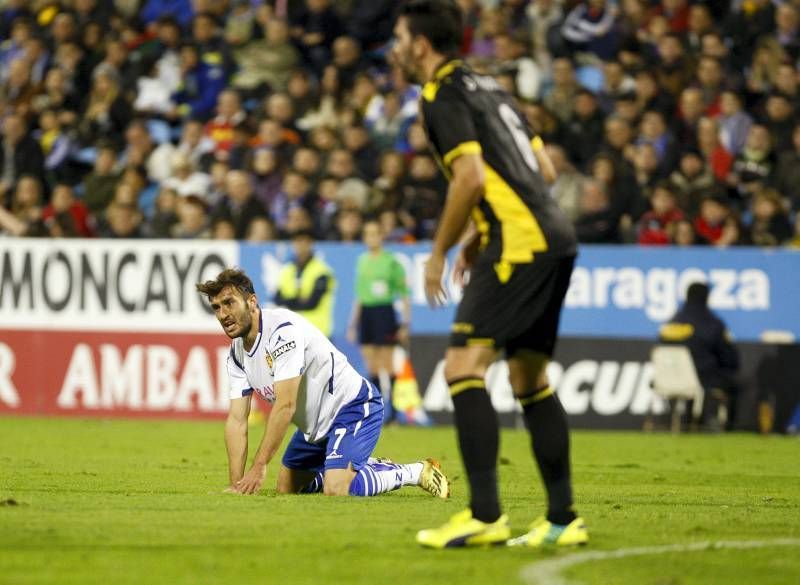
(96, 501)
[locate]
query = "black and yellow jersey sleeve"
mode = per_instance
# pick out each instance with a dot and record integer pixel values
(468, 113)
(450, 128)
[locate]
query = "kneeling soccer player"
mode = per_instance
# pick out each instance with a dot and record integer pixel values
(287, 361)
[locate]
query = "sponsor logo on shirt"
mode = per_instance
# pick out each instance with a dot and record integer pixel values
(286, 347)
(269, 359)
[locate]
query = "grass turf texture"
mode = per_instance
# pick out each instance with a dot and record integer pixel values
(97, 501)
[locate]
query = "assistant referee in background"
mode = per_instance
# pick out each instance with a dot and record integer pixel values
(380, 282)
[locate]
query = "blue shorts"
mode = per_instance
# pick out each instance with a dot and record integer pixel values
(350, 440)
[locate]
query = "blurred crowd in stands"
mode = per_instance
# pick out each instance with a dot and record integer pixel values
(669, 122)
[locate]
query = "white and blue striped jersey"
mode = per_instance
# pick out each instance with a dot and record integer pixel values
(288, 346)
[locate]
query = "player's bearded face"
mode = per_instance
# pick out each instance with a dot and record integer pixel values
(233, 313)
(403, 50)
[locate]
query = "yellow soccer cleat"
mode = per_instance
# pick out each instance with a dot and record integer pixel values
(433, 480)
(464, 530)
(545, 533)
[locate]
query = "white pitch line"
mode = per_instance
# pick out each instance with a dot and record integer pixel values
(549, 572)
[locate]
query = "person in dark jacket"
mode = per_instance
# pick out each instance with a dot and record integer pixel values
(715, 357)
(20, 155)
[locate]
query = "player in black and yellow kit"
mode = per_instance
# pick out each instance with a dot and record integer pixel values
(519, 250)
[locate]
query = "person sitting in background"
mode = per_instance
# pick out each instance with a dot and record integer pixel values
(755, 165)
(192, 219)
(655, 225)
(787, 173)
(238, 204)
(165, 215)
(596, 223)
(25, 215)
(682, 233)
(100, 184)
(715, 357)
(306, 284)
(709, 223)
(771, 226)
(569, 182)
(266, 63)
(690, 180)
(74, 213)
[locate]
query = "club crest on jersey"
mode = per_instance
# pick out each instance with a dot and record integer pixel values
(286, 347)
(269, 359)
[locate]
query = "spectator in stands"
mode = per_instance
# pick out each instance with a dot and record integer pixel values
(229, 114)
(165, 215)
(674, 68)
(710, 76)
(787, 172)
(691, 180)
(72, 215)
(348, 225)
(650, 97)
(511, 52)
(266, 64)
(106, 111)
(700, 22)
(122, 220)
(714, 211)
(734, 122)
(423, 197)
(201, 83)
(18, 91)
(690, 109)
(763, 68)
(627, 203)
(238, 204)
(596, 223)
(568, 186)
(100, 184)
(20, 155)
(715, 357)
(306, 285)
(295, 192)
(192, 219)
(179, 9)
(25, 215)
(682, 233)
(714, 153)
(261, 229)
(779, 120)
(656, 225)
(185, 180)
(560, 96)
(584, 128)
(653, 131)
(771, 226)
(315, 30)
(266, 176)
(754, 166)
(615, 83)
(590, 28)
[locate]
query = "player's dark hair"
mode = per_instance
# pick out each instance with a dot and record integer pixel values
(234, 277)
(439, 21)
(697, 294)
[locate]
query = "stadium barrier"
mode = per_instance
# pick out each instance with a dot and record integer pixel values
(115, 328)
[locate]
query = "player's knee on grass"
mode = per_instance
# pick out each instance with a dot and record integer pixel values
(527, 370)
(292, 481)
(337, 482)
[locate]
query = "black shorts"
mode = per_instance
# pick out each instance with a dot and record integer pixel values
(522, 313)
(378, 325)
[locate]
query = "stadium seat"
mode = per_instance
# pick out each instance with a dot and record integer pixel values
(675, 379)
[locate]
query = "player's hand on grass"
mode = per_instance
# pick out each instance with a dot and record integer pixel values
(252, 480)
(434, 291)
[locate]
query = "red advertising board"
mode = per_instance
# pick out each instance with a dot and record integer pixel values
(113, 374)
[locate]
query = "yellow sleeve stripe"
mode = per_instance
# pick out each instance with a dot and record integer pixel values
(471, 147)
(536, 397)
